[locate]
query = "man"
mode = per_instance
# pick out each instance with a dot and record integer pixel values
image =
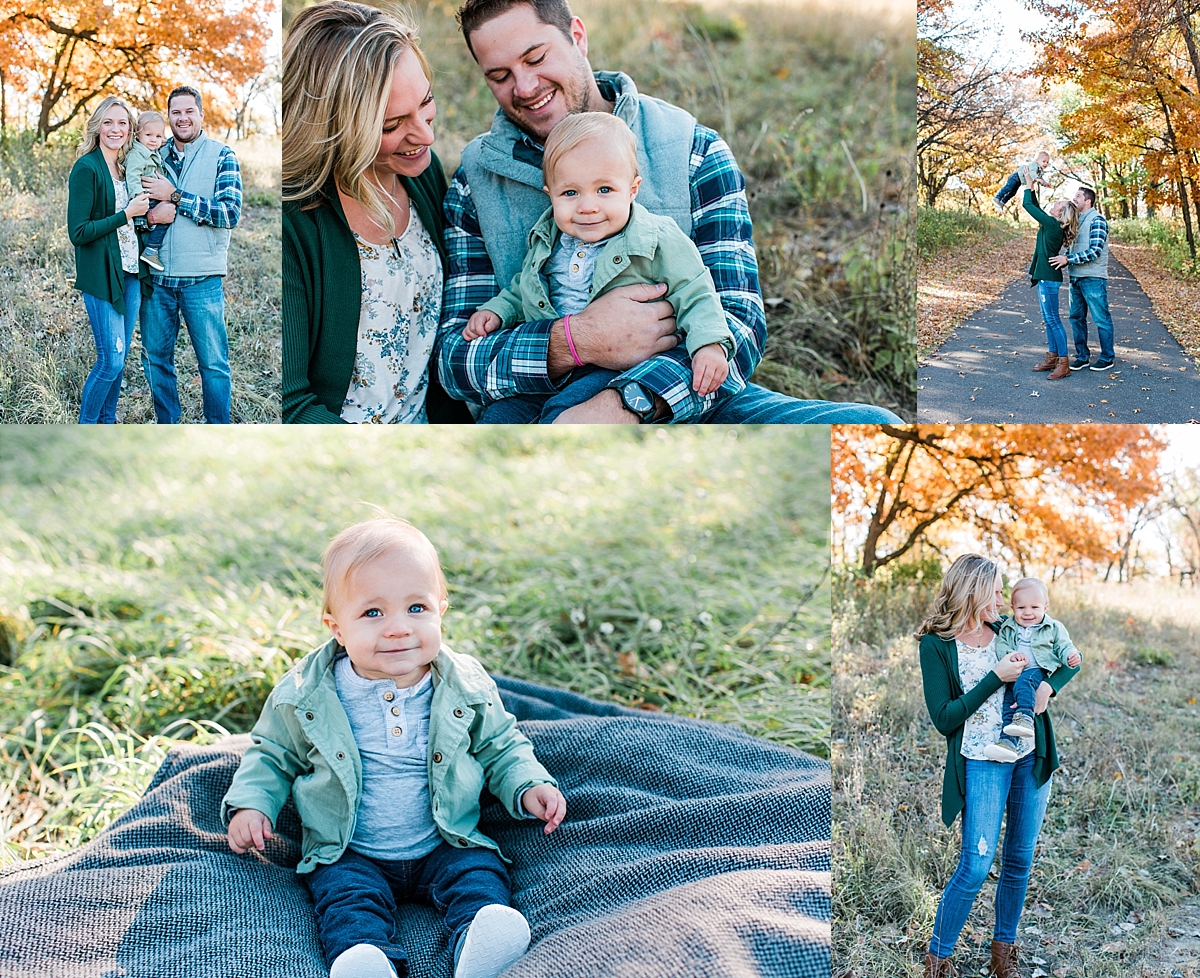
(533, 54)
(205, 187)
(1088, 258)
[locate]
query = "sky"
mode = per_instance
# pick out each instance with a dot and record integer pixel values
(1003, 21)
(1185, 447)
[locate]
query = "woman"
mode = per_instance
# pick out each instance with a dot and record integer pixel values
(964, 686)
(1058, 228)
(100, 217)
(362, 223)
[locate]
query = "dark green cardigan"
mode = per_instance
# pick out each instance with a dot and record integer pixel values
(322, 300)
(92, 222)
(1049, 241)
(950, 708)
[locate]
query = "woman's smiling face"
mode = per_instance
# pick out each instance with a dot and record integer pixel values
(114, 128)
(407, 122)
(991, 611)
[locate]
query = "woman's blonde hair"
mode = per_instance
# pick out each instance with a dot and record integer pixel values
(338, 62)
(579, 128)
(1069, 219)
(91, 132)
(968, 587)
(363, 542)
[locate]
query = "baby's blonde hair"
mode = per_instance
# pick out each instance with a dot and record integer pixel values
(360, 544)
(148, 116)
(968, 587)
(1040, 153)
(580, 127)
(1029, 584)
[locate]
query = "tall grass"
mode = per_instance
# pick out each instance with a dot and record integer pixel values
(1118, 848)
(1168, 239)
(154, 586)
(941, 230)
(46, 345)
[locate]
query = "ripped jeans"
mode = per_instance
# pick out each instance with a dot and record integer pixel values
(993, 787)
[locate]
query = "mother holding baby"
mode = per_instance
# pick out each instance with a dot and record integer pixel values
(362, 222)
(964, 685)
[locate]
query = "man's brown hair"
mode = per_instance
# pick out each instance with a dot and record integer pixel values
(1090, 194)
(475, 13)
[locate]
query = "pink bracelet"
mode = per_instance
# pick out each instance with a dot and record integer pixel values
(570, 342)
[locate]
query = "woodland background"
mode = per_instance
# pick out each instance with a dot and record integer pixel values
(1111, 520)
(57, 60)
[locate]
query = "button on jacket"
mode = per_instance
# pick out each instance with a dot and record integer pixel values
(302, 745)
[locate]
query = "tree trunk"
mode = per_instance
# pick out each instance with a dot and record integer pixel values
(1187, 220)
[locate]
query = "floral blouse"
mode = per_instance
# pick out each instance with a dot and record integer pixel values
(984, 725)
(401, 305)
(126, 237)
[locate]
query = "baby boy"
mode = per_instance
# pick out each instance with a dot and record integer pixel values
(143, 160)
(595, 237)
(1045, 645)
(384, 738)
(1030, 174)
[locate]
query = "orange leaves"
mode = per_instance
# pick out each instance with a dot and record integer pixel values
(1051, 494)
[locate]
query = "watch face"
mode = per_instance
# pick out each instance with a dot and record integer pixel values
(635, 398)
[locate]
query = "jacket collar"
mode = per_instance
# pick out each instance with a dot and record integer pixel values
(638, 237)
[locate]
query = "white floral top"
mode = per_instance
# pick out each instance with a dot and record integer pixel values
(401, 305)
(984, 725)
(126, 237)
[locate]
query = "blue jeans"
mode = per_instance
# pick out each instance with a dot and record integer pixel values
(1020, 696)
(1090, 294)
(154, 237)
(203, 309)
(993, 788)
(113, 334)
(1056, 335)
(355, 897)
(754, 405)
(1009, 190)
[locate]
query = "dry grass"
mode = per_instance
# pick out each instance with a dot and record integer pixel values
(46, 346)
(1119, 847)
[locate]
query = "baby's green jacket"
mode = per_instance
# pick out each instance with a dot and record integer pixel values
(140, 162)
(649, 249)
(1051, 643)
(302, 745)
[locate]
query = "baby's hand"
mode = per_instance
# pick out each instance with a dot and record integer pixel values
(1074, 659)
(248, 828)
(547, 803)
(480, 324)
(709, 368)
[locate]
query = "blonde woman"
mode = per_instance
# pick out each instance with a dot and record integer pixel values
(362, 223)
(100, 216)
(964, 688)
(1059, 227)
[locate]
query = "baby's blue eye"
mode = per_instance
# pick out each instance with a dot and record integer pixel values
(606, 190)
(569, 193)
(415, 609)
(372, 613)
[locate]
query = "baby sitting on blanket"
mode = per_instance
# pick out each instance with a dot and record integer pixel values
(385, 738)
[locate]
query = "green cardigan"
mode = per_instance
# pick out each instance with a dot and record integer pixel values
(949, 708)
(322, 298)
(92, 222)
(1049, 242)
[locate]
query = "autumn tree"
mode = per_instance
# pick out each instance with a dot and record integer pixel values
(1046, 495)
(69, 54)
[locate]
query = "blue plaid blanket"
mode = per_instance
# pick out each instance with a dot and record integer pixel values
(690, 849)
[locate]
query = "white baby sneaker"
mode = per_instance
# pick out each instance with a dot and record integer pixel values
(362, 961)
(1021, 725)
(1000, 751)
(496, 938)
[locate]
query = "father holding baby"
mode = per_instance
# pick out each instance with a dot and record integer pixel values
(533, 55)
(1088, 258)
(204, 188)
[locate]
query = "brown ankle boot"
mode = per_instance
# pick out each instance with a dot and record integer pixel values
(1049, 363)
(936, 967)
(1004, 958)
(1061, 369)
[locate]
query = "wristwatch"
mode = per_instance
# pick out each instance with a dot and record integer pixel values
(176, 196)
(636, 399)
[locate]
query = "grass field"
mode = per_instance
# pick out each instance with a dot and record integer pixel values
(818, 102)
(1119, 847)
(154, 585)
(46, 345)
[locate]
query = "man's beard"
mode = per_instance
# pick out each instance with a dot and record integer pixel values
(189, 139)
(582, 102)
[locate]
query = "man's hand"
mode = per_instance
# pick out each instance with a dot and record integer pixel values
(605, 408)
(162, 213)
(1074, 659)
(1058, 261)
(248, 828)
(616, 331)
(547, 803)
(160, 188)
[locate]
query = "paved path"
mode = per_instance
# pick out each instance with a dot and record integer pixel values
(983, 372)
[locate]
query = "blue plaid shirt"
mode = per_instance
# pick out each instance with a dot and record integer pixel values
(222, 210)
(1097, 237)
(513, 361)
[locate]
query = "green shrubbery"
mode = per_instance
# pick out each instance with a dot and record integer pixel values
(1168, 239)
(940, 230)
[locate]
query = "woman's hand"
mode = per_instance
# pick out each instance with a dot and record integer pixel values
(1009, 668)
(1043, 697)
(137, 206)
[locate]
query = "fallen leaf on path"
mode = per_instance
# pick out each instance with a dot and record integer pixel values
(1176, 302)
